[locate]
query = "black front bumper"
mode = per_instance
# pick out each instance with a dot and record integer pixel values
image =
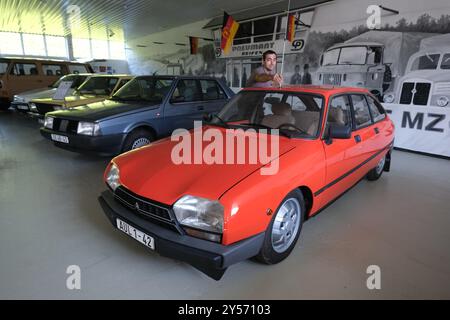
(211, 258)
(100, 145)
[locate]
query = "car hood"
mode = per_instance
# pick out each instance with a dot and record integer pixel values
(37, 94)
(72, 101)
(151, 173)
(102, 110)
(431, 75)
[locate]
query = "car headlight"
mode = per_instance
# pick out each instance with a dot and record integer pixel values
(48, 122)
(442, 101)
(113, 177)
(33, 107)
(389, 97)
(200, 214)
(88, 128)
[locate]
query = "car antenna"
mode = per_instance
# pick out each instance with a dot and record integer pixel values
(285, 38)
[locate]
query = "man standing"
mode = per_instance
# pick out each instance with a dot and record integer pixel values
(296, 78)
(266, 75)
(306, 75)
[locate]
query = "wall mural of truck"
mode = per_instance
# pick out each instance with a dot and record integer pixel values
(374, 60)
(427, 78)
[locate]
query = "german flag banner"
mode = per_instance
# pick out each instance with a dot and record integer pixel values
(290, 33)
(229, 29)
(193, 42)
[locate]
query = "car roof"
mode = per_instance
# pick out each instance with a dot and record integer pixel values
(122, 76)
(324, 90)
(356, 44)
(178, 77)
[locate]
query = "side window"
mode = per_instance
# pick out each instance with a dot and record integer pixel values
(121, 84)
(211, 90)
(77, 68)
(112, 84)
(24, 69)
(52, 69)
(361, 111)
(339, 111)
(375, 109)
(296, 103)
(187, 90)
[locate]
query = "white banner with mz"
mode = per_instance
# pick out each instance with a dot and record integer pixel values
(421, 128)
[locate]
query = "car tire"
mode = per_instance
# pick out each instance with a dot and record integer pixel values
(274, 250)
(376, 172)
(137, 138)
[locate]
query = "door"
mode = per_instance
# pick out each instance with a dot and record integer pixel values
(214, 98)
(339, 160)
(25, 76)
(184, 106)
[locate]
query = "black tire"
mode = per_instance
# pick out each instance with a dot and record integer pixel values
(376, 172)
(4, 106)
(268, 255)
(136, 135)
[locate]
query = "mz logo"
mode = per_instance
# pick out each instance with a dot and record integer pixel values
(298, 44)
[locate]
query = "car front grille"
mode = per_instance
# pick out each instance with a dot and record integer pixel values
(43, 108)
(148, 209)
(334, 79)
(64, 125)
(415, 93)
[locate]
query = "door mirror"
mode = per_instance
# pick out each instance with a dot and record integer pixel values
(177, 99)
(207, 117)
(339, 131)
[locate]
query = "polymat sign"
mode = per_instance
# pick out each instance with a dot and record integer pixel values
(257, 49)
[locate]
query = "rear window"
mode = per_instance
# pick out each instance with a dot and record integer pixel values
(52, 69)
(3, 67)
(76, 81)
(24, 69)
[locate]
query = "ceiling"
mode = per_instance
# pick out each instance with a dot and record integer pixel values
(119, 19)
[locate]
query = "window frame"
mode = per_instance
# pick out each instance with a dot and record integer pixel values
(13, 66)
(378, 106)
(199, 88)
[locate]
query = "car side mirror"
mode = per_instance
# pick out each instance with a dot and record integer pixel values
(207, 117)
(178, 99)
(340, 132)
(336, 131)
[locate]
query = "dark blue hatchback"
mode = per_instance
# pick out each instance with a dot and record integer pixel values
(145, 109)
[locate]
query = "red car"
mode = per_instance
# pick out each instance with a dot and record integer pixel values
(213, 215)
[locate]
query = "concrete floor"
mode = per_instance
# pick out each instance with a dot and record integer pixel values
(50, 219)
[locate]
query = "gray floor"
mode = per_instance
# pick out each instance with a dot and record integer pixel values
(50, 219)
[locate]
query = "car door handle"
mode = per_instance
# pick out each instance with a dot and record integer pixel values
(200, 108)
(358, 138)
(377, 131)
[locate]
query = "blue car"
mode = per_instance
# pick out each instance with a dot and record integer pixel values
(145, 109)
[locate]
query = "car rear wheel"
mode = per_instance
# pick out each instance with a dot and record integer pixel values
(137, 138)
(284, 229)
(376, 172)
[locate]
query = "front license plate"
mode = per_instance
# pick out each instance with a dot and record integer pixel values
(58, 138)
(136, 234)
(22, 107)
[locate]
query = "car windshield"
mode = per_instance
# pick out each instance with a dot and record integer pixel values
(75, 79)
(295, 113)
(152, 89)
(426, 62)
(353, 55)
(101, 86)
(331, 57)
(3, 67)
(445, 64)
(345, 55)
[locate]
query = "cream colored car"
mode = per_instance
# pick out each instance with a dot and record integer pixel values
(96, 89)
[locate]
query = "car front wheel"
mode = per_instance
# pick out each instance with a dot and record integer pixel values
(284, 229)
(137, 139)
